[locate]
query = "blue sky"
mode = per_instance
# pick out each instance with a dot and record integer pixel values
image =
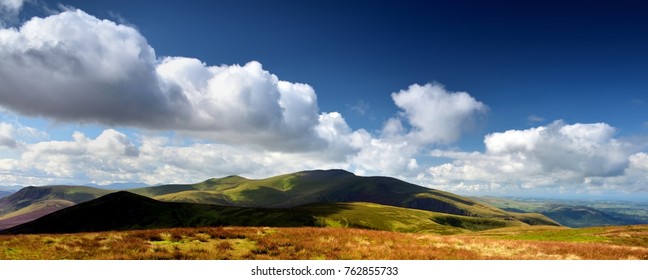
(497, 97)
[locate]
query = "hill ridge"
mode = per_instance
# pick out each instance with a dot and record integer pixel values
(305, 187)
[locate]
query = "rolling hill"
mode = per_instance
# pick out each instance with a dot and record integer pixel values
(31, 203)
(127, 211)
(301, 189)
(123, 211)
(323, 186)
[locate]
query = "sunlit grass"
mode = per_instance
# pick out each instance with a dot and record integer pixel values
(329, 243)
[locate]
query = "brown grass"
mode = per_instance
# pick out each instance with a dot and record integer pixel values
(314, 243)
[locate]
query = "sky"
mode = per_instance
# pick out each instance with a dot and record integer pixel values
(472, 97)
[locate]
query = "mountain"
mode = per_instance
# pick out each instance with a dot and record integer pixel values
(33, 202)
(284, 191)
(322, 186)
(126, 211)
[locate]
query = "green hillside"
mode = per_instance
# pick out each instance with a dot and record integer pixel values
(127, 211)
(321, 186)
(31, 195)
(33, 202)
(381, 217)
(311, 188)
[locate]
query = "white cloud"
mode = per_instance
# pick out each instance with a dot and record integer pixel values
(9, 9)
(535, 119)
(244, 104)
(73, 67)
(11, 5)
(7, 132)
(639, 161)
(77, 68)
(437, 115)
(576, 156)
(112, 156)
(431, 115)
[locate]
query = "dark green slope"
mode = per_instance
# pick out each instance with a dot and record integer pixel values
(124, 211)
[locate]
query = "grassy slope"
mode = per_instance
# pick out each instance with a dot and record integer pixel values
(33, 202)
(30, 195)
(390, 218)
(123, 210)
(302, 188)
(307, 187)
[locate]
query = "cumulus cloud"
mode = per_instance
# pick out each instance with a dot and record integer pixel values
(558, 155)
(75, 67)
(244, 102)
(435, 114)
(430, 115)
(112, 156)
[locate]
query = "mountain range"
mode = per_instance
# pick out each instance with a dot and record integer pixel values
(334, 198)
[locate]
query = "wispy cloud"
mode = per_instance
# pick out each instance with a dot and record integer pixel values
(534, 119)
(361, 107)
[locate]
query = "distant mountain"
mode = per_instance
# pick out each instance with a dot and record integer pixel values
(5, 193)
(33, 202)
(576, 213)
(581, 216)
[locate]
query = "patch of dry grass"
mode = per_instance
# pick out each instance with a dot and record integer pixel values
(321, 243)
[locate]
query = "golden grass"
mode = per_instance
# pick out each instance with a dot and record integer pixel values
(318, 243)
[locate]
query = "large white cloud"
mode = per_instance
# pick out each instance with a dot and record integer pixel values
(112, 156)
(430, 115)
(437, 115)
(576, 156)
(75, 67)
(244, 102)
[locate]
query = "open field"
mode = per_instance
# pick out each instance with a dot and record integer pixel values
(538, 242)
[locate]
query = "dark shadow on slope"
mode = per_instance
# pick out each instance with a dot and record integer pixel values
(127, 211)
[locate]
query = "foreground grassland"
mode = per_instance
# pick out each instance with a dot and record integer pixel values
(544, 243)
